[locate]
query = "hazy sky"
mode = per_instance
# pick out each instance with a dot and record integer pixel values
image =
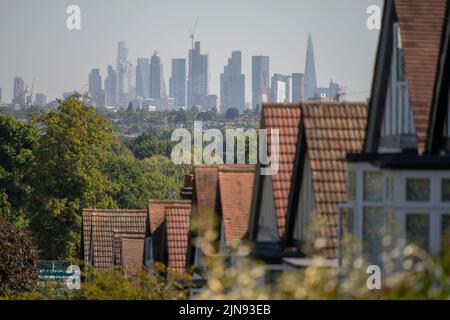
(34, 40)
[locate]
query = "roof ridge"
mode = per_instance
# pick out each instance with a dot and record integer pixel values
(169, 201)
(237, 168)
(111, 210)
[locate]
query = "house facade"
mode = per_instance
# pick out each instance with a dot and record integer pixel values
(399, 185)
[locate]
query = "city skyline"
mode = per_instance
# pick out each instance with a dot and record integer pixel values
(144, 84)
(173, 41)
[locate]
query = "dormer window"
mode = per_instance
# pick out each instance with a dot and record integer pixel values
(398, 131)
(148, 247)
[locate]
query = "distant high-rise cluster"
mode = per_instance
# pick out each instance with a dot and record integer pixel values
(142, 86)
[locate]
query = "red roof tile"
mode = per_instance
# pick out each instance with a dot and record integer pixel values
(129, 252)
(285, 118)
(157, 213)
(177, 217)
(99, 226)
(236, 188)
(332, 130)
(206, 184)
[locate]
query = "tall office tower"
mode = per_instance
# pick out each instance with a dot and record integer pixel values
(143, 78)
(310, 71)
(156, 77)
(95, 86)
(111, 87)
(277, 80)
(177, 82)
(0, 94)
(40, 99)
(298, 87)
(198, 76)
(232, 84)
(18, 92)
(122, 75)
(260, 80)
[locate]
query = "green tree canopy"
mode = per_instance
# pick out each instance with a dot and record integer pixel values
(67, 175)
(17, 143)
(147, 145)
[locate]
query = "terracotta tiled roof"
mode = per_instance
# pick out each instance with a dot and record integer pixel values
(177, 217)
(236, 188)
(206, 182)
(285, 118)
(129, 252)
(157, 213)
(332, 130)
(421, 24)
(99, 227)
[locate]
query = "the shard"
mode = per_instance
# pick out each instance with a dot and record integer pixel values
(310, 71)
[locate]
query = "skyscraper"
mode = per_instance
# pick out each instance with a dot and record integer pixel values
(177, 82)
(18, 92)
(95, 87)
(111, 87)
(143, 77)
(198, 76)
(281, 81)
(260, 80)
(0, 94)
(334, 90)
(298, 87)
(310, 71)
(122, 74)
(232, 84)
(156, 77)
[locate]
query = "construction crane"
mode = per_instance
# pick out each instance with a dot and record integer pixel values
(192, 31)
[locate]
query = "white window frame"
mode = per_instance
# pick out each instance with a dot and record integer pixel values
(399, 206)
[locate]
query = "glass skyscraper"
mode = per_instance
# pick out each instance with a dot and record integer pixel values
(143, 78)
(232, 84)
(177, 82)
(198, 76)
(260, 80)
